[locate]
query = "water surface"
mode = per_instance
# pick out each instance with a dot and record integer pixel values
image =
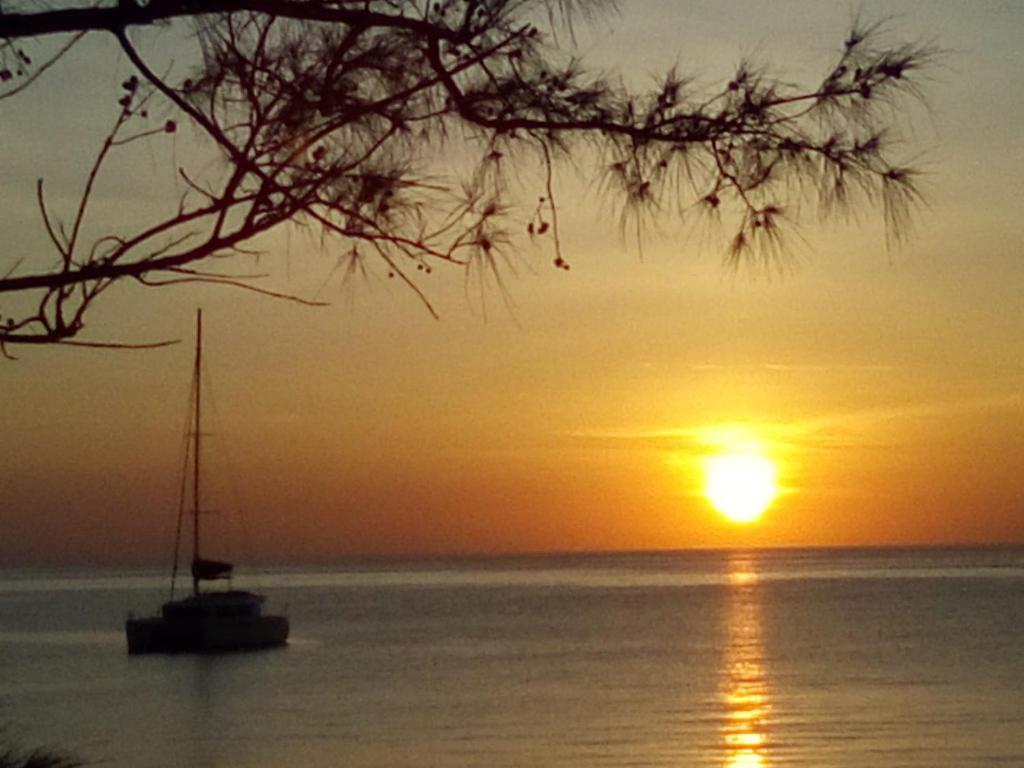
(727, 659)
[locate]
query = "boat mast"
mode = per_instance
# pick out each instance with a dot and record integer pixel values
(195, 451)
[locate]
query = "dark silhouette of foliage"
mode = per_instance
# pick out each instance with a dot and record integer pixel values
(36, 759)
(338, 113)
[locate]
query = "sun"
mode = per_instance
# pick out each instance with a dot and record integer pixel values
(740, 486)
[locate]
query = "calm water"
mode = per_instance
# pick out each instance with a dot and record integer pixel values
(735, 660)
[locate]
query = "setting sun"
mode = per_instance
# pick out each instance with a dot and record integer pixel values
(740, 486)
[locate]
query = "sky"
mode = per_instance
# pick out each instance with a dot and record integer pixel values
(886, 384)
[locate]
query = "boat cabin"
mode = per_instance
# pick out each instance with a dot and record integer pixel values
(229, 604)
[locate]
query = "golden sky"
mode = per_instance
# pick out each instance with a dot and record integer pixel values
(888, 385)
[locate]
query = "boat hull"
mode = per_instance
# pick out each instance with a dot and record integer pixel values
(205, 634)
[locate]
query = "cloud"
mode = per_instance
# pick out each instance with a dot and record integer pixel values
(793, 367)
(835, 431)
(786, 367)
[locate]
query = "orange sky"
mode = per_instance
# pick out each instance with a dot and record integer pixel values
(888, 385)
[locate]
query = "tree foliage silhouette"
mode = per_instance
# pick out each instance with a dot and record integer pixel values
(334, 113)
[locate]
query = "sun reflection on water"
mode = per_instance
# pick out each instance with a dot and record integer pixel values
(745, 693)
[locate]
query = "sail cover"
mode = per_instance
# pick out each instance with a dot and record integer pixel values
(210, 569)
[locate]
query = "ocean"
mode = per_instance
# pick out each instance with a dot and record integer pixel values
(745, 659)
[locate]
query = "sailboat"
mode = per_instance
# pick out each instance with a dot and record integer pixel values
(207, 621)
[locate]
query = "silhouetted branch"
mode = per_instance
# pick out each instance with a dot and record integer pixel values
(335, 114)
(133, 13)
(113, 344)
(210, 279)
(30, 78)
